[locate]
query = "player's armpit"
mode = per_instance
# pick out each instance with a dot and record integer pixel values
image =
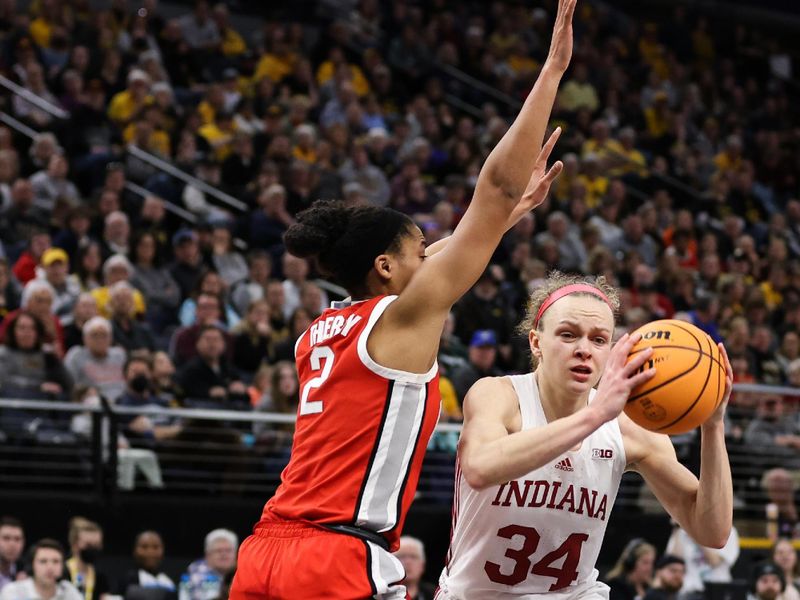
(489, 411)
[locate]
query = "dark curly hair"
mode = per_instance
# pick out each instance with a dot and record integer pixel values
(345, 241)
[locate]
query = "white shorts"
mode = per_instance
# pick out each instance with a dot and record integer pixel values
(589, 590)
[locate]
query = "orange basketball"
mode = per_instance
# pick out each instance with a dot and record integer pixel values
(689, 380)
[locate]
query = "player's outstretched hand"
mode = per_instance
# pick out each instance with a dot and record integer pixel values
(540, 181)
(719, 414)
(561, 45)
(621, 376)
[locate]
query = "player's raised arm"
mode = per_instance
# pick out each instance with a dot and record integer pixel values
(502, 182)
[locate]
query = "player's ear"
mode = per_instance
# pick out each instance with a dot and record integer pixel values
(383, 265)
(534, 342)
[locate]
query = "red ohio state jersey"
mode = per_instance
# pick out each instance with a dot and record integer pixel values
(361, 431)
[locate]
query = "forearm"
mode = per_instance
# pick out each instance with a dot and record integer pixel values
(510, 164)
(713, 509)
(515, 455)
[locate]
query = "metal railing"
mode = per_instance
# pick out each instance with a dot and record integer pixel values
(48, 107)
(57, 447)
(173, 171)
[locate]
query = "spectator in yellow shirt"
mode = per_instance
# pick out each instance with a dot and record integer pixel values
(657, 117)
(730, 159)
(578, 92)
(305, 144)
(629, 161)
(213, 103)
(596, 185)
(278, 62)
(568, 177)
(219, 135)
(232, 43)
(336, 60)
(125, 105)
(116, 268)
(601, 143)
(145, 133)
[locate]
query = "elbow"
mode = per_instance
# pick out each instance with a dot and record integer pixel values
(475, 477)
(715, 538)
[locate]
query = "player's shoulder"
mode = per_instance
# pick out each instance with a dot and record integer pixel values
(492, 396)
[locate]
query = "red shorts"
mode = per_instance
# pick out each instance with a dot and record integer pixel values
(295, 560)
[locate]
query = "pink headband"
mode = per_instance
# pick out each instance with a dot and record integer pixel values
(575, 288)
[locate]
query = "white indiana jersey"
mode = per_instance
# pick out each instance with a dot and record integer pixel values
(540, 533)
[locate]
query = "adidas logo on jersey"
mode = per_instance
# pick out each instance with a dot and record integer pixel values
(565, 465)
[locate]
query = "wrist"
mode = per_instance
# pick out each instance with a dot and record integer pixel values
(713, 427)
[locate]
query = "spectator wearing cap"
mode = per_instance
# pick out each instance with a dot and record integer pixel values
(187, 267)
(767, 582)
(55, 270)
(117, 268)
(481, 358)
(668, 581)
(97, 363)
(125, 105)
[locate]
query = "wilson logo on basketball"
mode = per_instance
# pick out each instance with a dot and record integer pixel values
(659, 335)
(564, 465)
(602, 453)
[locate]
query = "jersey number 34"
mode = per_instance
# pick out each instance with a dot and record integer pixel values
(564, 575)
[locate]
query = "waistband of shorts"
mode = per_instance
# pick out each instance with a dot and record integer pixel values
(302, 529)
(288, 529)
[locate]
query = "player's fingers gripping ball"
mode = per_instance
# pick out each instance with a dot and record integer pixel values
(689, 382)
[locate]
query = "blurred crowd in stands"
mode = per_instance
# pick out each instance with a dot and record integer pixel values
(122, 283)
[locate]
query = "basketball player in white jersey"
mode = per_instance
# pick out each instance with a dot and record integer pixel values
(541, 456)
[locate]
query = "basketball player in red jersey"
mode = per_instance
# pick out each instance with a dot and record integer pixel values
(541, 456)
(369, 396)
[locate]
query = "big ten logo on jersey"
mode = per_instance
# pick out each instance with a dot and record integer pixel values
(602, 453)
(330, 327)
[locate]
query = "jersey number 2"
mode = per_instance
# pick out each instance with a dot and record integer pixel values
(564, 575)
(318, 355)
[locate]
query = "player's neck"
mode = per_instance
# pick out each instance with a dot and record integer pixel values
(557, 402)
